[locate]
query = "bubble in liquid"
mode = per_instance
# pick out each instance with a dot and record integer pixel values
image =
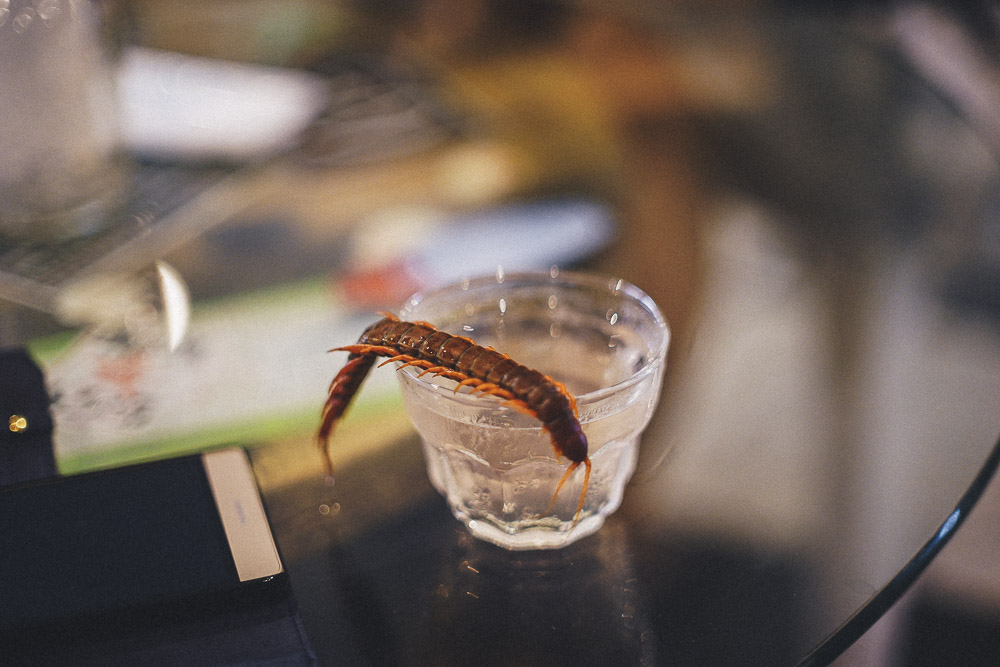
(553, 301)
(23, 21)
(49, 9)
(325, 509)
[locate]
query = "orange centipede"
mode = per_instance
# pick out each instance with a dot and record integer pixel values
(484, 370)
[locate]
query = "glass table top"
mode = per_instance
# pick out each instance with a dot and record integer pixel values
(818, 223)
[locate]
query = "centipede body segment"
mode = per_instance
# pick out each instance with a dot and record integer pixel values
(484, 370)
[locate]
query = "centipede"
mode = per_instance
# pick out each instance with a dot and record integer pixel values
(481, 370)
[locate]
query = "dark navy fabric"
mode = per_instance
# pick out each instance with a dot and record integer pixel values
(24, 455)
(269, 633)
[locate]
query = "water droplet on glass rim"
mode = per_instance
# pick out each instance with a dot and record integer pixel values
(22, 22)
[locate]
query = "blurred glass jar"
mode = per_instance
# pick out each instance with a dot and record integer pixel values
(62, 174)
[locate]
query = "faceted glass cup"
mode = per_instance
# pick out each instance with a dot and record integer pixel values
(605, 340)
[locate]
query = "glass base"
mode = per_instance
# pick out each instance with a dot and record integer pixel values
(532, 538)
(87, 216)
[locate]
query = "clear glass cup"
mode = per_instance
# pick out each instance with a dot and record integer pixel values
(62, 172)
(604, 339)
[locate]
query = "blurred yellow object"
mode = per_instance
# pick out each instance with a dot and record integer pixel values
(17, 423)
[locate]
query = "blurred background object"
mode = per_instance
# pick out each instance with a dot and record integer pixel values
(62, 173)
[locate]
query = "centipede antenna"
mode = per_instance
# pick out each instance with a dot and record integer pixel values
(583, 491)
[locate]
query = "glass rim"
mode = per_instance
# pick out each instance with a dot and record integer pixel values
(555, 277)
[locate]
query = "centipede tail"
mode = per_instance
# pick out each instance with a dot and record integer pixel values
(342, 390)
(484, 370)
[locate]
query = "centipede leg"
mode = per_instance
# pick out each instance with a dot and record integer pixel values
(468, 382)
(405, 358)
(521, 407)
(442, 371)
(408, 360)
(565, 392)
(429, 367)
(499, 392)
(486, 387)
